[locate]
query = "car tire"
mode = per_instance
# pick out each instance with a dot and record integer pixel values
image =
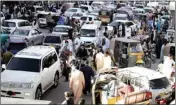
(38, 93)
(56, 80)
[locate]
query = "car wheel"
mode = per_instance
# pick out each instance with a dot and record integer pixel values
(56, 80)
(38, 94)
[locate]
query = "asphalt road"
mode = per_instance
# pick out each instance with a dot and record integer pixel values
(57, 95)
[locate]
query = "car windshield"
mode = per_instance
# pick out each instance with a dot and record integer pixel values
(87, 33)
(84, 8)
(147, 10)
(159, 83)
(52, 39)
(138, 11)
(72, 10)
(24, 64)
(39, 9)
(135, 48)
(95, 11)
(8, 24)
(5, 31)
(61, 29)
(42, 16)
(21, 32)
(77, 14)
(17, 46)
(83, 18)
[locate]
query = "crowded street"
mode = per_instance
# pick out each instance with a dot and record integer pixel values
(88, 52)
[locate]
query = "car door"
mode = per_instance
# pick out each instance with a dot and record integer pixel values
(45, 72)
(54, 65)
(33, 37)
(39, 36)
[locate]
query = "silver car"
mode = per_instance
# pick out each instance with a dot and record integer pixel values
(25, 37)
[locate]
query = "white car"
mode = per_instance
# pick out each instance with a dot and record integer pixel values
(90, 34)
(86, 8)
(150, 80)
(42, 18)
(95, 20)
(2, 17)
(28, 36)
(30, 73)
(61, 29)
(98, 4)
(12, 24)
(69, 12)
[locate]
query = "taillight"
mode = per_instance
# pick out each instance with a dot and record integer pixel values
(163, 102)
(148, 95)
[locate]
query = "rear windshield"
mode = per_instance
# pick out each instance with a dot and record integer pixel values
(17, 46)
(159, 83)
(52, 39)
(84, 8)
(8, 24)
(39, 9)
(83, 18)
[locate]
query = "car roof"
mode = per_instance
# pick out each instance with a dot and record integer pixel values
(46, 13)
(85, 5)
(141, 71)
(36, 52)
(74, 8)
(89, 26)
(15, 20)
(125, 40)
(26, 28)
(66, 26)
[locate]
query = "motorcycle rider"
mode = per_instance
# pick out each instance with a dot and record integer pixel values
(82, 52)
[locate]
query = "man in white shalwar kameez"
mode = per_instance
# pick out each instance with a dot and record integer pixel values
(77, 84)
(99, 60)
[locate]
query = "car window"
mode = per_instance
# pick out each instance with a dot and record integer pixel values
(24, 64)
(27, 24)
(21, 32)
(129, 23)
(159, 83)
(8, 24)
(52, 39)
(2, 15)
(72, 10)
(21, 24)
(33, 32)
(46, 63)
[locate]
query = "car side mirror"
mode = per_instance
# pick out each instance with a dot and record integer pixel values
(3, 67)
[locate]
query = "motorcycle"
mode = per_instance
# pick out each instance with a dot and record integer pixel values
(147, 59)
(167, 97)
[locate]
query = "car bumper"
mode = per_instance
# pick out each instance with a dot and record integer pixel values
(21, 93)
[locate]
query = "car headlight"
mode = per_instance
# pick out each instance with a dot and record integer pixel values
(26, 85)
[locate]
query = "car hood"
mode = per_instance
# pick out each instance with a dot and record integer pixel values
(88, 39)
(18, 76)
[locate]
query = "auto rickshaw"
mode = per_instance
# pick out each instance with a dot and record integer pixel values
(127, 52)
(105, 15)
(109, 81)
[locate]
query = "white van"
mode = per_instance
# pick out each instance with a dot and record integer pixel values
(90, 34)
(154, 81)
(6, 100)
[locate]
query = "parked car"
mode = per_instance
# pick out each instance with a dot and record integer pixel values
(25, 37)
(39, 69)
(94, 12)
(12, 24)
